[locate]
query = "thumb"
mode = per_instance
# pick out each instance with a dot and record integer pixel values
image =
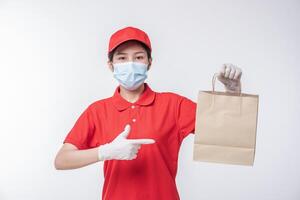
(126, 131)
(220, 75)
(222, 78)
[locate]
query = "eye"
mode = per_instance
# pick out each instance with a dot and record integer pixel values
(121, 58)
(140, 57)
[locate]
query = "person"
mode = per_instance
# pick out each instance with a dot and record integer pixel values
(137, 131)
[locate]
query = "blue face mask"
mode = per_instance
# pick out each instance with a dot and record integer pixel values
(130, 74)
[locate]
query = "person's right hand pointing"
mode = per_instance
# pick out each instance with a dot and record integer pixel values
(122, 148)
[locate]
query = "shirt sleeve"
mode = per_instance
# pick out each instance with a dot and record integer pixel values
(82, 131)
(186, 115)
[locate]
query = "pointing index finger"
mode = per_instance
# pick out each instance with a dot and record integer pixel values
(141, 141)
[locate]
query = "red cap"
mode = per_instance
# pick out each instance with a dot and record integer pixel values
(128, 33)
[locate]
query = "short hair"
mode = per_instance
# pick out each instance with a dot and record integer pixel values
(111, 54)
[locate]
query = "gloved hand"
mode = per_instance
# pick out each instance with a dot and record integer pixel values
(230, 76)
(122, 148)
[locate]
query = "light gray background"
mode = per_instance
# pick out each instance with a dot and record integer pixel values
(53, 65)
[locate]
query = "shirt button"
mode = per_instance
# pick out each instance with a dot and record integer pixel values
(132, 106)
(133, 119)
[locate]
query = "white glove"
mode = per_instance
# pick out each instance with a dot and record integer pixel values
(122, 148)
(230, 76)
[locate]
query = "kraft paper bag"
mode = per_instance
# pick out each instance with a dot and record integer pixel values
(225, 129)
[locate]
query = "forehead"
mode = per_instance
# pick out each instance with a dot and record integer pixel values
(130, 45)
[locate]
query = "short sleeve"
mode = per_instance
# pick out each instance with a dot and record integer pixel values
(82, 131)
(186, 115)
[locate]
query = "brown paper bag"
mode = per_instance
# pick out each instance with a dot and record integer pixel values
(225, 130)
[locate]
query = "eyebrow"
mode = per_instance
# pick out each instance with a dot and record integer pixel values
(118, 53)
(139, 52)
(121, 53)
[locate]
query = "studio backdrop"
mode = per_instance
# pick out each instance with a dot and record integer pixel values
(53, 64)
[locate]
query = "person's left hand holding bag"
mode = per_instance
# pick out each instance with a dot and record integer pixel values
(230, 76)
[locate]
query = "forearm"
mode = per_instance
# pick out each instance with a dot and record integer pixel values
(72, 159)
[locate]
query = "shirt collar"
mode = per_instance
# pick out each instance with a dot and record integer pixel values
(146, 98)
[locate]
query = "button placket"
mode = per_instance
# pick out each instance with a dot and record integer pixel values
(134, 111)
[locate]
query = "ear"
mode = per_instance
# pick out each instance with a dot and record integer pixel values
(110, 65)
(150, 63)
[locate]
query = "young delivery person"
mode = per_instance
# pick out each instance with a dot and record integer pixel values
(137, 132)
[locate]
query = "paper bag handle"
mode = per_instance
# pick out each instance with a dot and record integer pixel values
(214, 80)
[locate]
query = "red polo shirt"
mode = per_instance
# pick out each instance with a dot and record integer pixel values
(165, 117)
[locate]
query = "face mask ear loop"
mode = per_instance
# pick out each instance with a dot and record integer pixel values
(113, 68)
(148, 66)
